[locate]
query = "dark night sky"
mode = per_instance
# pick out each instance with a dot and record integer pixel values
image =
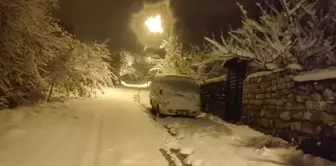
(99, 20)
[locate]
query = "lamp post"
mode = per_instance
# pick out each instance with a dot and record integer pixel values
(154, 24)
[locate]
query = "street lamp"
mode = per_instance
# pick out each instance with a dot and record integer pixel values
(154, 24)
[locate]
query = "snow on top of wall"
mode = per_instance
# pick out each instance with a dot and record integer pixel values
(216, 79)
(170, 75)
(258, 74)
(293, 66)
(271, 66)
(316, 75)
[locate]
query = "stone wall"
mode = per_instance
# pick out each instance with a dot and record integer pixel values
(275, 104)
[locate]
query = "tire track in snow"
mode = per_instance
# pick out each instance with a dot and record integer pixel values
(174, 157)
(176, 152)
(99, 143)
(91, 153)
(180, 156)
(167, 157)
(167, 154)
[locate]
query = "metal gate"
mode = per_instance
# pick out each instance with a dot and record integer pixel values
(234, 86)
(213, 98)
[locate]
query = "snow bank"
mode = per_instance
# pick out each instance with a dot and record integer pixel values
(210, 141)
(214, 142)
(146, 85)
(316, 75)
(21, 115)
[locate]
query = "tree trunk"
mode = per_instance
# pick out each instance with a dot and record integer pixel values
(50, 91)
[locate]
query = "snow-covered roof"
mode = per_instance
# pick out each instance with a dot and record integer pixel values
(316, 75)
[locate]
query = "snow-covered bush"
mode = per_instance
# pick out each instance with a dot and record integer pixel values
(294, 35)
(30, 42)
(134, 66)
(184, 61)
(80, 71)
(127, 61)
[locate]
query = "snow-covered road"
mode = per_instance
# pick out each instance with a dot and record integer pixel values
(109, 130)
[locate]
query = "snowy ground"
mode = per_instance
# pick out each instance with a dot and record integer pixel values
(116, 130)
(110, 130)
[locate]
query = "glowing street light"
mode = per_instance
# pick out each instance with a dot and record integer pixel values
(154, 24)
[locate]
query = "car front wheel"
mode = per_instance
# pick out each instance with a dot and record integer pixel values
(153, 109)
(158, 112)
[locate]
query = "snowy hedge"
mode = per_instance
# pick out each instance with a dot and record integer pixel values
(36, 54)
(297, 34)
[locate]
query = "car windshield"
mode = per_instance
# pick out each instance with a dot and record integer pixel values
(183, 85)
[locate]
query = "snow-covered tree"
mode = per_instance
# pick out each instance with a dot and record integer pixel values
(33, 45)
(180, 61)
(81, 71)
(293, 35)
(127, 60)
(27, 44)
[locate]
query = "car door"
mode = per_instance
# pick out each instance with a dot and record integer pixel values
(160, 92)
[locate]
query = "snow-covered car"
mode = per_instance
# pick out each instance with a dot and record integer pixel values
(175, 95)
